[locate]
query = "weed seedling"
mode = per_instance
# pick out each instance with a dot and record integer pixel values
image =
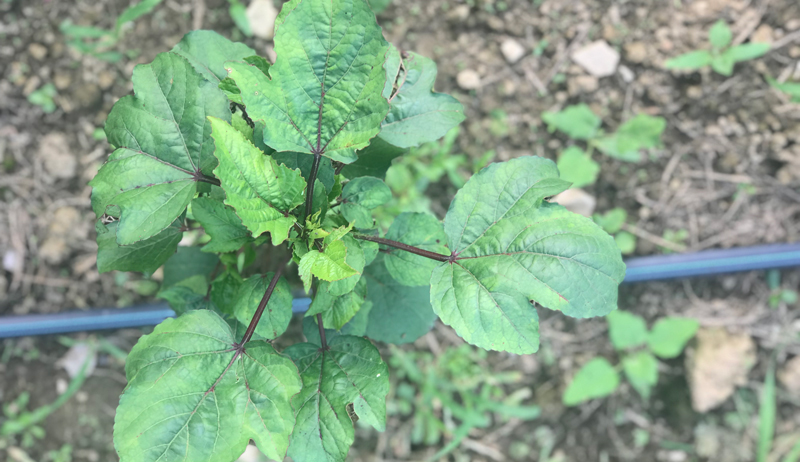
(722, 57)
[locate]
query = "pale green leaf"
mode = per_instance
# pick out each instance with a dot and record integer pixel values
(261, 191)
(511, 247)
(626, 330)
(207, 51)
(354, 373)
(144, 256)
(790, 88)
(191, 395)
(227, 232)
(337, 310)
(596, 379)
(278, 311)
(399, 314)
(418, 114)
(163, 147)
(299, 160)
(723, 64)
(329, 265)
(626, 242)
(720, 35)
(323, 94)
(419, 230)
(690, 61)
(611, 221)
(748, 51)
(577, 167)
(641, 370)
(670, 335)
(355, 259)
(578, 121)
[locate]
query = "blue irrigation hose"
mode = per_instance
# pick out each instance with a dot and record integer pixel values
(653, 268)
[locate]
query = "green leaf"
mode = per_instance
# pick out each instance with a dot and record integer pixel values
(227, 232)
(379, 5)
(337, 310)
(319, 203)
(690, 61)
(183, 299)
(399, 314)
(207, 51)
(163, 147)
(418, 114)
(790, 88)
(723, 64)
(640, 132)
(278, 312)
(261, 191)
(238, 13)
(304, 162)
(374, 160)
(670, 335)
(720, 35)
(577, 167)
(136, 11)
(611, 221)
(354, 373)
(578, 122)
(192, 396)
(626, 242)
(224, 290)
(228, 86)
(328, 265)
(188, 262)
(419, 230)
(356, 326)
(511, 247)
(748, 51)
(144, 256)
(767, 415)
(323, 94)
(362, 195)
(596, 379)
(626, 330)
(641, 369)
(355, 259)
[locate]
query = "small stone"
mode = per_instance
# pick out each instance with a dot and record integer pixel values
(717, 366)
(10, 261)
(105, 79)
(87, 95)
(468, 79)
(636, 52)
(793, 24)
(577, 201)
(38, 51)
(54, 250)
(496, 23)
(762, 35)
(582, 84)
(597, 58)
(694, 92)
(512, 50)
(56, 156)
(627, 74)
(262, 15)
(62, 80)
(459, 13)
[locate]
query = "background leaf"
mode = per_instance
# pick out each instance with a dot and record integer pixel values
(227, 232)
(596, 379)
(689, 61)
(641, 370)
(188, 262)
(578, 121)
(577, 167)
(337, 310)
(670, 335)
(626, 330)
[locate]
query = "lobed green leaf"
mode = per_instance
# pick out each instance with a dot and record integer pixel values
(227, 232)
(278, 311)
(419, 230)
(596, 379)
(144, 256)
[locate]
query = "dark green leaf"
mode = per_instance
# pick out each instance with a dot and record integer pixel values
(163, 147)
(354, 373)
(356, 326)
(183, 299)
(323, 94)
(596, 379)
(511, 247)
(224, 290)
(278, 311)
(419, 230)
(208, 51)
(188, 262)
(400, 314)
(337, 310)
(192, 397)
(144, 256)
(374, 160)
(295, 160)
(227, 232)
(362, 195)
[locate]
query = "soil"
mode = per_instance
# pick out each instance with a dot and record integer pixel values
(728, 175)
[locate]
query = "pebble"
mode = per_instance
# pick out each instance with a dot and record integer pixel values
(56, 156)
(597, 58)
(38, 51)
(577, 201)
(262, 15)
(582, 84)
(105, 79)
(627, 74)
(468, 79)
(763, 34)
(459, 13)
(512, 50)
(62, 80)
(635, 52)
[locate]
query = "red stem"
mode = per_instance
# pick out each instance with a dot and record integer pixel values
(406, 247)
(322, 338)
(264, 300)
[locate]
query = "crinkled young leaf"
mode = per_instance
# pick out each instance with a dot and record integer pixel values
(641, 370)
(399, 314)
(360, 197)
(191, 397)
(510, 247)
(227, 232)
(278, 312)
(329, 265)
(420, 230)
(207, 51)
(626, 330)
(323, 94)
(163, 149)
(261, 191)
(355, 259)
(374, 160)
(337, 310)
(596, 379)
(349, 371)
(418, 114)
(228, 86)
(188, 262)
(302, 161)
(144, 256)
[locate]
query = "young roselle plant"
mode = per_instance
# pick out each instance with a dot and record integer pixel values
(298, 166)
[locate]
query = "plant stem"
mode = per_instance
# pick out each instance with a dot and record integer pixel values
(264, 300)
(312, 178)
(207, 179)
(406, 247)
(322, 338)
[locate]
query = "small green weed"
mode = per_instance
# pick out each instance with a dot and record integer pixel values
(790, 88)
(44, 98)
(612, 222)
(640, 349)
(722, 57)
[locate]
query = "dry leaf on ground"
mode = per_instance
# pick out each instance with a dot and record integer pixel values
(717, 365)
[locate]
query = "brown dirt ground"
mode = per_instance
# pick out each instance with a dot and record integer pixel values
(722, 133)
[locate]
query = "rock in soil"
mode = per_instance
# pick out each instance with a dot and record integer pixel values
(597, 58)
(468, 79)
(56, 156)
(577, 200)
(717, 366)
(262, 15)
(512, 50)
